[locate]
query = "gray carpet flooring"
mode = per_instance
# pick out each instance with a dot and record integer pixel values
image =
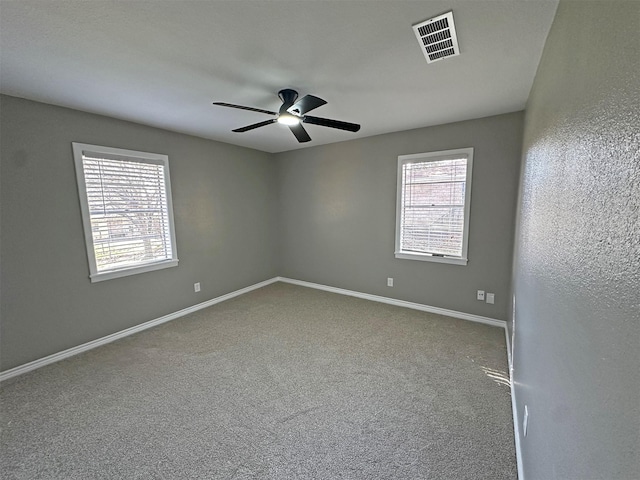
(284, 382)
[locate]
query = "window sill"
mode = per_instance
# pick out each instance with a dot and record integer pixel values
(426, 257)
(124, 272)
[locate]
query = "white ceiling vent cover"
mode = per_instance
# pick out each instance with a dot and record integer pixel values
(437, 37)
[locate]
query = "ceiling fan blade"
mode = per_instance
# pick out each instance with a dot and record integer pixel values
(306, 104)
(241, 107)
(255, 125)
(327, 122)
(300, 133)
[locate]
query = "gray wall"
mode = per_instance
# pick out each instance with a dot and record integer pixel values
(325, 214)
(225, 201)
(337, 215)
(577, 261)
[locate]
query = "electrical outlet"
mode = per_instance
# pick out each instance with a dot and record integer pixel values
(525, 421)
(196, 287)
(491, 298)
(480, 295)
(389, 282)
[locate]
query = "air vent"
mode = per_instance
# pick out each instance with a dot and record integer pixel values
(437, 38)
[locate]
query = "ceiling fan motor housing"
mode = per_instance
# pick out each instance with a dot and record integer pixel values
(288, 98)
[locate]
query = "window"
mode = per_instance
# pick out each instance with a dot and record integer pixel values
(434, 195)
(125, 199)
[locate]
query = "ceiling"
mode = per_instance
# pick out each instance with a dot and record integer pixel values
(163, 63)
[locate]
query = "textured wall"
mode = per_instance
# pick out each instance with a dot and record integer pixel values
(338, 207)
(224, 200)
(577, 262)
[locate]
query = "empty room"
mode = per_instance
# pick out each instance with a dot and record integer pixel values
(320, 239)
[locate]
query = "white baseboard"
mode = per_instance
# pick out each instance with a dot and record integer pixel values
(514, 409)
(400, 303)
(27, 367)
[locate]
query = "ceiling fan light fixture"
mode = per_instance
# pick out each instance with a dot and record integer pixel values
(288, 119)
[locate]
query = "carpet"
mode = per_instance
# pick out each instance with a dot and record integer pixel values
(284, 382)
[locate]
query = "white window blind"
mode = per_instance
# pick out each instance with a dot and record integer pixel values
(433, 206)
(126, 210)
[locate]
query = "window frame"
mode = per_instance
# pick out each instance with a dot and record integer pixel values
(432, 157)
(79, 150)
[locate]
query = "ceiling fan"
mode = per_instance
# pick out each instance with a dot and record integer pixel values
(293, 114)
